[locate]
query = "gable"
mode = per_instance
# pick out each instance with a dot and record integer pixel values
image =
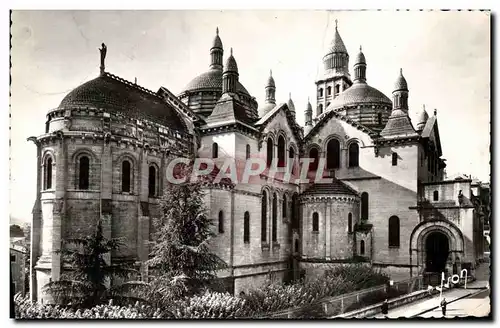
(280, 118)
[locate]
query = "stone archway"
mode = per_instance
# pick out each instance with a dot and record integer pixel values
(437, 241)
(436, 252)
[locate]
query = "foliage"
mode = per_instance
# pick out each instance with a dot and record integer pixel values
(86, 282)
(16, 231)
(27, 310)
(180, 254)
(304, 296)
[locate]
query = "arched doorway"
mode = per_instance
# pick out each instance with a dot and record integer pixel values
(437, 251)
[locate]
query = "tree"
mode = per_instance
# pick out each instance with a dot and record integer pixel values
(180, 254)
(86, 282)
(16, 231)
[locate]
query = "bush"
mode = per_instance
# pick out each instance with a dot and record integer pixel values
(305, 297)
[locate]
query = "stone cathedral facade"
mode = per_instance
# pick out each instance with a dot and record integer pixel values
(106, 147)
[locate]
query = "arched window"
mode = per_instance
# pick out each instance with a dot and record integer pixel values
(152, 181)
(393, 231)
(215, 150)
(315, 222)
(362, 247)
(295, 212)
(263, 217)
(349, 222)
(436, 195)
(320, 110)
(291, 155)
(379, 118)
(394, 159)
(246, 227)
(284, 206)
(321, 92)
(328, 91)
(221, 222)
(333, 154)
(314, 156)
(126, 176)
(281, 151)
(274, 231)
(83, 179)
(364, 206)
(248, 152)
(337, 89)
(353, 155)
(48, 173)
(269, 151)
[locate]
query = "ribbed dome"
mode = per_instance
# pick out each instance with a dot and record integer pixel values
(217, 41)
(401, 82)
(359, 93)
(211, 81)
(231, 65)
(114, 94)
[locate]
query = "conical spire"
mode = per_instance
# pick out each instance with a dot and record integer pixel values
(270, 90)
(308, 117)
(337, 44)
(337, 58)
(291, 105)
(422, 119)
(401, 82)
(400, 93)
(216, 52)
(230, 75)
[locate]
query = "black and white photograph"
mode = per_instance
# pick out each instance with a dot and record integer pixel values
(250, 164)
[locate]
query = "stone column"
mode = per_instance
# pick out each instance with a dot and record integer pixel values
(106, 187)
(36, 225)
(327, 225)
(144, 214)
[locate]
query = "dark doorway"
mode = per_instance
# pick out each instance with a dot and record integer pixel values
(437, 249)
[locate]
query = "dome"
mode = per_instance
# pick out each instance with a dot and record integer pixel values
(231, 65)
(359, 94)
(360, 58)
(422, 119)
(117, 95)
(211, 81)
(309, 106)
(217, 41)
(401, 82)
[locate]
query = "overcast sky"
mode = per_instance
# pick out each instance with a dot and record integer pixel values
(445, 58)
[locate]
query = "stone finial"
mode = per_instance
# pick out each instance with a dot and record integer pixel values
(435, 112)
(336, 24)
(217, 30)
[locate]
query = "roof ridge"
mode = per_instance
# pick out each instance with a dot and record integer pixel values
(134, 85)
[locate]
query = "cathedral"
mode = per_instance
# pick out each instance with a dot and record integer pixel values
(387, 203)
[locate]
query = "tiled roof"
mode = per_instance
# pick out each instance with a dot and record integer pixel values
(228, 109)
(337, 44)
(115, 94)
(231, 65)
(217, 41)
(398, 125)
(359, 93)
(334, 188)
(211, 81)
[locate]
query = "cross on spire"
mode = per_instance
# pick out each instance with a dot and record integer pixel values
(217, 30)
(336, 24)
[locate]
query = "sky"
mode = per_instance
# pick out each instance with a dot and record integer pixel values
(445, 57)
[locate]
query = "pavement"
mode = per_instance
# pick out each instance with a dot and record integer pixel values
(473, 301)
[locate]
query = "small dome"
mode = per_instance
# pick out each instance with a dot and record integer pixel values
(211, 81)
(422, 119)
(360, 58)
(309, 106)
(217, 41)
(337, 44)
(359, 94)
(270, 81)
(401, 82)
(231, 65)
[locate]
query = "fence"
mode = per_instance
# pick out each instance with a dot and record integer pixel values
(352, 301)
